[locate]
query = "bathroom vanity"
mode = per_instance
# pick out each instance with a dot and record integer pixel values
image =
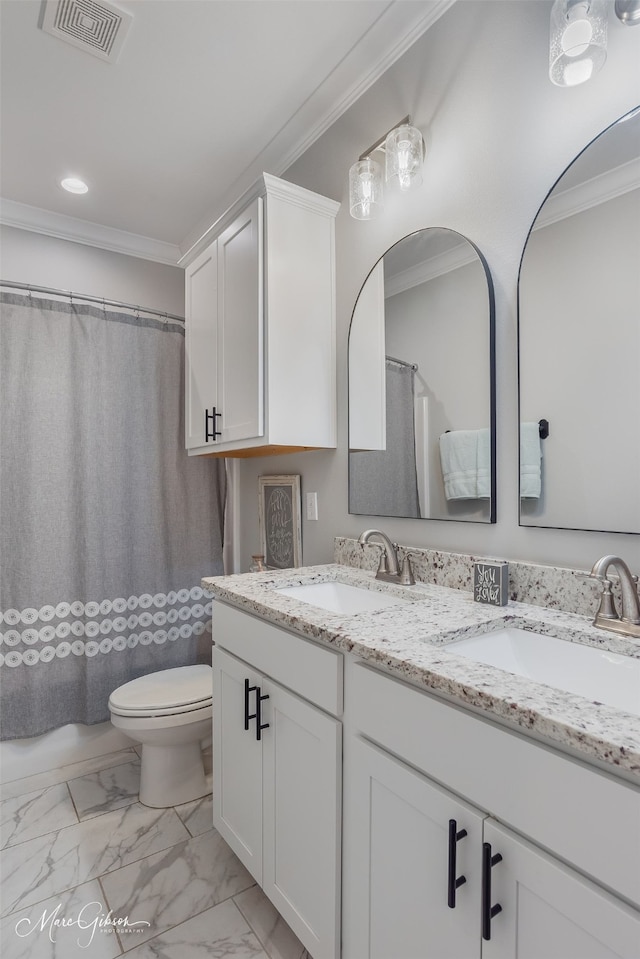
(439, 805)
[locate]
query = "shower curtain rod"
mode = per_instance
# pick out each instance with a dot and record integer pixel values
(30, 288)
(412, 366)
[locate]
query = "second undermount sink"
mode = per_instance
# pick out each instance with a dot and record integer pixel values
(596, 674)
(341, 597)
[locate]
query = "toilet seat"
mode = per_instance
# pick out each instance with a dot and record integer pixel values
(170, 692)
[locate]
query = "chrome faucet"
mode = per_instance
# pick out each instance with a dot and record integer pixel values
(389, 570)
(607, 616)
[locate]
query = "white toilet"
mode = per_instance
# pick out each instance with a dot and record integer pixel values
(169, 712)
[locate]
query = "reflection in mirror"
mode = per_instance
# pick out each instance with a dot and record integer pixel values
(579, 343)
(421, 383)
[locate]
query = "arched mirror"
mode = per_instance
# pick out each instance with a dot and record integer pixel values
(422, 383)
(579, 343)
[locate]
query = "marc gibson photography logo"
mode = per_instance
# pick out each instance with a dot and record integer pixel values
(91, 919)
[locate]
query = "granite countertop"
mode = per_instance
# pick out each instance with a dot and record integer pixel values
(411, 641)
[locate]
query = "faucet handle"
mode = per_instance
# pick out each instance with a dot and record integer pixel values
(383, 565)
(406, 574)
(607, 608)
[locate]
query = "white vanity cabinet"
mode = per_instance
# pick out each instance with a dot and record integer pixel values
(433, 794)
(277, 768)
(260, 328)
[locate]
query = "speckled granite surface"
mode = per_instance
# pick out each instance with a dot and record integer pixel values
(411, 641)
(553, 587)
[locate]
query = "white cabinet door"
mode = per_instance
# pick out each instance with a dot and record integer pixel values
(240, 371)
(301, 815)
(201, 332)
(548, 911)
(398, 860)
(237, 757)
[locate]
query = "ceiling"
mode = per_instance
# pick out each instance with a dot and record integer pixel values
(205, 95)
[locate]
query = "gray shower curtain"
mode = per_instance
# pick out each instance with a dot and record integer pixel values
(106, 525)
(385, 482)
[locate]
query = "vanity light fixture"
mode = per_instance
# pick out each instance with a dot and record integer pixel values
(365, 189)
(578, 46)
(404, 156)
(628, 12)
(404, 151)
(73, 184)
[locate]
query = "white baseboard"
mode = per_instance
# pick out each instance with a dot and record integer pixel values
(69, 744)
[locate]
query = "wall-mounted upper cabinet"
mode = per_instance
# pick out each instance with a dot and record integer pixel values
(260, 329)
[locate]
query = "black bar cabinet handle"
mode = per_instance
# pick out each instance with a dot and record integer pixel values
(453, 881)
(259, 724)
(488, 911)
(248, 689)
(211, 434)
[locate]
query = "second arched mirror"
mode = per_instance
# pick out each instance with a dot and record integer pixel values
(422, 383)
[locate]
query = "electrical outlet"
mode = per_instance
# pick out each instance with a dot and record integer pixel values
(312, 505)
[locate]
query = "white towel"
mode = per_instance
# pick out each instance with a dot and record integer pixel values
(530, 461)
(465, 457)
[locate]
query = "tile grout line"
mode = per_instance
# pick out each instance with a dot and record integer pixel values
(200, 912)
(106, 902)
(11, 782)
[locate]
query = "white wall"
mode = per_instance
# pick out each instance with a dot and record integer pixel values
(498, 135)
(28, 257)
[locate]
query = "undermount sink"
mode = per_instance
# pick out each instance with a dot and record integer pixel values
(596, 674)
(341, 597)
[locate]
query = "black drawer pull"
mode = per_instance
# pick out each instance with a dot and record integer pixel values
(210, 417)
(247, 715)
(488, 911)
(259, 724)
(454, 881)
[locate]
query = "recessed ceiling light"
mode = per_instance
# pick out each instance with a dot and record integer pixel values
(74, 185)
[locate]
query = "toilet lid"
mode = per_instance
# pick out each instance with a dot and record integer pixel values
(169, 689)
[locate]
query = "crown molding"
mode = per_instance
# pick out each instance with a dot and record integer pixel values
(63, 227)
(406, 22)
(606, 186)
(429, 269)
(394, 22)
(403, 22)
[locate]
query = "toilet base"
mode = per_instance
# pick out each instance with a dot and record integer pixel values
(172, 775)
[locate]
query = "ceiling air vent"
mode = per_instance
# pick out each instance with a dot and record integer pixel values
(96, 28)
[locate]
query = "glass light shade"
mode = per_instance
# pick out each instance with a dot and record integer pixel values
(578, 45)
(404, 155)
(365, 189)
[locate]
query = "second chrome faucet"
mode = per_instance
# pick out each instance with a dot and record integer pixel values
(389, 570)
(607, 616)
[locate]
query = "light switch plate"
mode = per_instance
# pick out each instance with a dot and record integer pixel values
(312, 505)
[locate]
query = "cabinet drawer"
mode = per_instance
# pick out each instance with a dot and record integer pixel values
(577, 812)
(313, 672)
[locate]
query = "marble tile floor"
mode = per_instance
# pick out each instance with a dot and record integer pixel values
(87, 872)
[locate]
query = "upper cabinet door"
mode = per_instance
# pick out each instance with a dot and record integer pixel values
(240, 360)
(267, 360)
(201, 303)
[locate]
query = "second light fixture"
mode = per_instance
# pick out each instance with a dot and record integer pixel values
(404, 152)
